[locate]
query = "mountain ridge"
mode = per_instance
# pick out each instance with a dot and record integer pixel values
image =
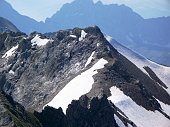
(6, 25)
(28, 24)
(145, 36)
(50, 64)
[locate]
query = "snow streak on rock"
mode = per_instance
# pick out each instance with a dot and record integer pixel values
(10, 52)
(73, 36)
(90, 59)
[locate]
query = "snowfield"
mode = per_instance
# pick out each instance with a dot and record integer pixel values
(139, 115)
(38, 41)
(10, 52)
(77, 87)
(83, 35)
(161, 71)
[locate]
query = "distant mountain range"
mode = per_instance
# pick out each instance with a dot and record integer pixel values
(23, 23)
(149, 37)
(6, 25)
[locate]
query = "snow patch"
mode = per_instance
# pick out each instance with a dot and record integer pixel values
(11, 72)
(77, 87)
(77, 64)
(139, 115)
(10, 52)
(98, 44)
(83, 35)
(89, 59)
(73, 36)
(38, 41)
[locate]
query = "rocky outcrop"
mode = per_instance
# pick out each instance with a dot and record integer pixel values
(154, 76)
(80, 114)
(97, 113)
(51, 117)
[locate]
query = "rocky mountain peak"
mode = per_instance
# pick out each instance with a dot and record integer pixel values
(78, 67)
(85, 1)
(62, 55)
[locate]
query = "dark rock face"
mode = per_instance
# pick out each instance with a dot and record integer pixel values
(98, 114)
(9, 39)
(51, 117)
(155, 77)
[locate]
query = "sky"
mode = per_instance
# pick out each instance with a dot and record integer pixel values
(41, 9)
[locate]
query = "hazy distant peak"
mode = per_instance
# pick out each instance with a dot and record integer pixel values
(84, 1)
(99, 3)
(6, 25)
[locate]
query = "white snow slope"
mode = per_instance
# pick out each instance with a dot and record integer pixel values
(161, 71)
(38, 41)
(10, 52)
(139, 115)
(77, 87)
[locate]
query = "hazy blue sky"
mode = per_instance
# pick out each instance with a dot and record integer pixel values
(41, 9)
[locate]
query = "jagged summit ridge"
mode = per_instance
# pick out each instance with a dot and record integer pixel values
(137, 33)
